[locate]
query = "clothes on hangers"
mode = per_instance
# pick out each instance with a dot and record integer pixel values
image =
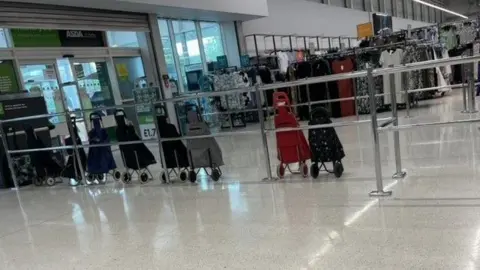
(390, 58)
(371, 59)
(345, 87)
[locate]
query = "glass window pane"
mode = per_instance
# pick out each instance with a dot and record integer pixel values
(424, 13)
(399, 8)
(388, 7)
(212, 40)
(168, 50)
(3, 38)
(188, 50)
(358, 4)
(409, 7)
(417, 11)
(122, 39)
(338, 3)
(42, 79)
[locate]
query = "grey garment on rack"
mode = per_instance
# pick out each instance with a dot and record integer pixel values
(467, 34)
(204, 152)
(363, 105)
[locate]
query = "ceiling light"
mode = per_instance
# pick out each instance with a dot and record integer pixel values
(440, 8)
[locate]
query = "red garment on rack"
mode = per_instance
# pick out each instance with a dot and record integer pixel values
(345, 87)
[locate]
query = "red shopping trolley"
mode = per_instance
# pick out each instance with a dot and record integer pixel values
(292, 146)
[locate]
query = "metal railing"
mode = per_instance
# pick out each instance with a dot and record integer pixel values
(378, 125)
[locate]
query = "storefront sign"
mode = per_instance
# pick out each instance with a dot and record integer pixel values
(76, 38)
(364, 30)
(57, 38)
(8, 79)
(35, 38)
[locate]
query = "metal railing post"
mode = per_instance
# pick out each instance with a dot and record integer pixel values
(399, 172)
(376, 142)
(464, 89)
(160, 146)
(263, 134)
(471, 85)
(9, 158)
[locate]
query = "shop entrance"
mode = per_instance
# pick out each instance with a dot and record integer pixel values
(84, 84)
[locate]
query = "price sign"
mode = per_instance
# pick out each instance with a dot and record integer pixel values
(148, 131)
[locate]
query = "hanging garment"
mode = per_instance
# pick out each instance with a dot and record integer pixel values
(447, 69)
(363, 105)
(440, 76)
(390, 59)
(321, 91)
(345, 87)
(476, 52)
(304, 70)
(413, 79)
(100, 159)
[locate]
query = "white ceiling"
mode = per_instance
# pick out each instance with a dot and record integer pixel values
(211, 10)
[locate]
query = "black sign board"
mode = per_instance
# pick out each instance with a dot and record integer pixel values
(22, 107)
(78, 38)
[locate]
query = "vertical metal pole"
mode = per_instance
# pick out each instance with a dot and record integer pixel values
(376, 140)
(160, 146)
(355, 98)
(264, 135)
(9, 157)
(290, 40)
(464, 89)
(256, 49)
(318, 44)
(399, 173)
(407, 102)
(471, 85)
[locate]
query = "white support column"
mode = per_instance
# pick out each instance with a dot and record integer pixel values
(160, 66)
(242, 43)
(198, 29)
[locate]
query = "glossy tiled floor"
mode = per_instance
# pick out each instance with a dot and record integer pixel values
(432, 221)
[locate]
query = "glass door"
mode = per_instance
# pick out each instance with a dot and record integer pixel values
(42, 78)
(94, 86)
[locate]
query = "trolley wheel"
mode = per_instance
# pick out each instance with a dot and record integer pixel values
(144, 178)
(126, 178)
(215, 175)
(38, 181)
(102, 179)
(338, 169)
(183, 176)
(304, 169)
(280, 171)
(51, 181)
(192, 176)
(164, 178)
(117, 175)
(314, 170)
(90, 179)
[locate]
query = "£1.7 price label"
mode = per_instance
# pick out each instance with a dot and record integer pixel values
(148, 131)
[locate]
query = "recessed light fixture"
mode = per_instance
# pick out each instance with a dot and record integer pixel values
(440, 8)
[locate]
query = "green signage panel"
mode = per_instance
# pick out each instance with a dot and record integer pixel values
(8, 79)
(35, 38)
